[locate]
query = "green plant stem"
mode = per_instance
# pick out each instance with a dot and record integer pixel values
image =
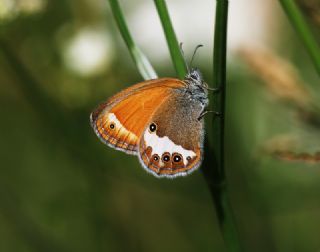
(298, 21)
(175, 52)
(214, 166)
(141, 61)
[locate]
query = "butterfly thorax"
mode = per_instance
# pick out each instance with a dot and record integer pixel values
(196, 88)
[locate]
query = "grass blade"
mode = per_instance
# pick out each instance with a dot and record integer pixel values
(144, 66)
(300, 25)
(175, 52)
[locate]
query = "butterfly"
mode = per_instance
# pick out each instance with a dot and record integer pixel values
(160, 121)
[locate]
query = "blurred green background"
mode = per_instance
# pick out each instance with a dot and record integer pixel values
(61, 189)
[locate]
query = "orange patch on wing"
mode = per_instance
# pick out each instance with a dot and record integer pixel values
(135, 112)
(130, 111)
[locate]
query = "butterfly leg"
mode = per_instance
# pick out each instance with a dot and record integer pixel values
(216, 90)
(203, 113)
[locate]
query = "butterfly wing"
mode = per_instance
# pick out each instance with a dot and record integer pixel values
(120, 121)
(172, 142)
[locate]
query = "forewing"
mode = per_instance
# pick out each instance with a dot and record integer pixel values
(120, 121)
(174, 148)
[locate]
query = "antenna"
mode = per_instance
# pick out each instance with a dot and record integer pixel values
(194, 53)
(184, 57)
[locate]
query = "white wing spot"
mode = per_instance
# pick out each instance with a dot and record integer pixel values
(161, 145)
(112, 118)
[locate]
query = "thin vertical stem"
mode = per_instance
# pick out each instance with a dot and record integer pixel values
(219, 81)
(141, 61)
(300, 25)
(214, 167)
(175, 52)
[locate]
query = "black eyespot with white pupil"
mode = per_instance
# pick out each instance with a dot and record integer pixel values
(153, 127)
(112, 126)
(166, 158)
(177, 158)
(155, 157)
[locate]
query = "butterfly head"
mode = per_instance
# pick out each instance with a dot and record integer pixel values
(194, 76)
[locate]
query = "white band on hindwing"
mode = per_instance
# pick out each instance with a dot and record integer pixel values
(161, 145)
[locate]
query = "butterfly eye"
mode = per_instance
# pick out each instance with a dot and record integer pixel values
(153, 127)
(112, 126)
(193, 76)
